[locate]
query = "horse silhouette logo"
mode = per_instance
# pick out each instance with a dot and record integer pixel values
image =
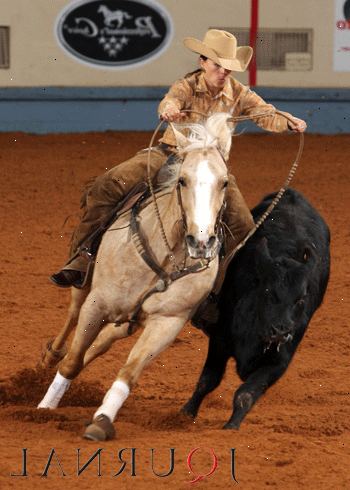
(111, 16)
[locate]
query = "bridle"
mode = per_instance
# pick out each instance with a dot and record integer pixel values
(165, 278)
(260, 221)
(218, 224)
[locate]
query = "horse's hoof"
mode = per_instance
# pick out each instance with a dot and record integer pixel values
(101, 429)
(51, 357)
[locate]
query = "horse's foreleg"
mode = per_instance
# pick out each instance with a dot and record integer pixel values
(158, 334)
(108, 335)
(90, 320)
(55, 350)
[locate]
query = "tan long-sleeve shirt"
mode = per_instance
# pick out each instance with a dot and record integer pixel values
(235, 98)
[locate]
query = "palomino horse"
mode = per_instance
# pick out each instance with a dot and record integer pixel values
(121, 277)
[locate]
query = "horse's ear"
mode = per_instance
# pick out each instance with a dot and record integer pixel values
(181, 140)
(220, 129)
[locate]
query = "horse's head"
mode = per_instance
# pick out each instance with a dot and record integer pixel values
(202, 182)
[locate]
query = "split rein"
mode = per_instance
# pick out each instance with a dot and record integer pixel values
(276, 199)
(165, 278)
(260, 221)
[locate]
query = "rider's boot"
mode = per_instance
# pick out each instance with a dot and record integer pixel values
(67, 278)
(103, 196)
(74, 273)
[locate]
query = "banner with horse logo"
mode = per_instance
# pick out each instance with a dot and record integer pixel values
(114, 33)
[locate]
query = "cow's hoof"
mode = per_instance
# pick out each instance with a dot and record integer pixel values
(101, 429)
(231, 426)
(188, 412)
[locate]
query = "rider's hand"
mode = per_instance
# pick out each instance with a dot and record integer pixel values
(297, 125)
(172, 113)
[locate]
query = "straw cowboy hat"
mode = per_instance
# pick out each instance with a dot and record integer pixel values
(221, 47)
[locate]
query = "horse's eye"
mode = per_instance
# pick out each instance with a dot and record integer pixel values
(225, 184)
(182, 182)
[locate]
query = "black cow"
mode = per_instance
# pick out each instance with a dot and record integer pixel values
(271, 290)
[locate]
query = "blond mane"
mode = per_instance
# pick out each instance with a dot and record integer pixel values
(215, 132)
(172, 174)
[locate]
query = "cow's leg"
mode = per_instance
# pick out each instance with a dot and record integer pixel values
(251, 390)
(56, 350)
(210, 378)
(159, 333)
(89, 324)
(108, 335)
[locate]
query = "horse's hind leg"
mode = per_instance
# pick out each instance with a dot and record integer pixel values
(158, 334)
(90, 320)
(56, 350)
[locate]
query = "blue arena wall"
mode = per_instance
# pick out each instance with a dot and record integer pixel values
(73, 109)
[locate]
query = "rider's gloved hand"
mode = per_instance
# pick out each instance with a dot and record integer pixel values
(172, 113)
(297, 125)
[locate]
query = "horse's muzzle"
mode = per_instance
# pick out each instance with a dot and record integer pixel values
(198, 249)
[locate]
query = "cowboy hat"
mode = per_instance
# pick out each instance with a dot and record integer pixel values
(221, 47)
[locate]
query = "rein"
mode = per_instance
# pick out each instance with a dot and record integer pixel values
(141, 245)
(260, 221)
(275, 201)
(151, 188)
(165, 279)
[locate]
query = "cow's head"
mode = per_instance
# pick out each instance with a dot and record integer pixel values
(282, 292)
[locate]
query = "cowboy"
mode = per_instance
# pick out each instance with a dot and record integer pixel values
(207, 90)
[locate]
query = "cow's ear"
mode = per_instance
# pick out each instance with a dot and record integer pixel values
(263, 259)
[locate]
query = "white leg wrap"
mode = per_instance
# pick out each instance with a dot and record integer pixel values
(113, 400)
(55, 392)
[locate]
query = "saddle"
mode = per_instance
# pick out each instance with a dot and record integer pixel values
(139, 193)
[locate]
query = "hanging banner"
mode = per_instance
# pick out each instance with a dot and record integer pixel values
(114, 33)
(341, 59)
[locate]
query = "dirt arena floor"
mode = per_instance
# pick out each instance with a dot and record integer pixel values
(297, 435)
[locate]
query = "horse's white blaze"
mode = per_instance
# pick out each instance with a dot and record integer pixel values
(203, 215)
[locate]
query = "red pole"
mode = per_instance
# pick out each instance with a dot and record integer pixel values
(254, 19)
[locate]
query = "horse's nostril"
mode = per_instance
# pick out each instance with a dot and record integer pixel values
(211, 241)
(191, 241)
